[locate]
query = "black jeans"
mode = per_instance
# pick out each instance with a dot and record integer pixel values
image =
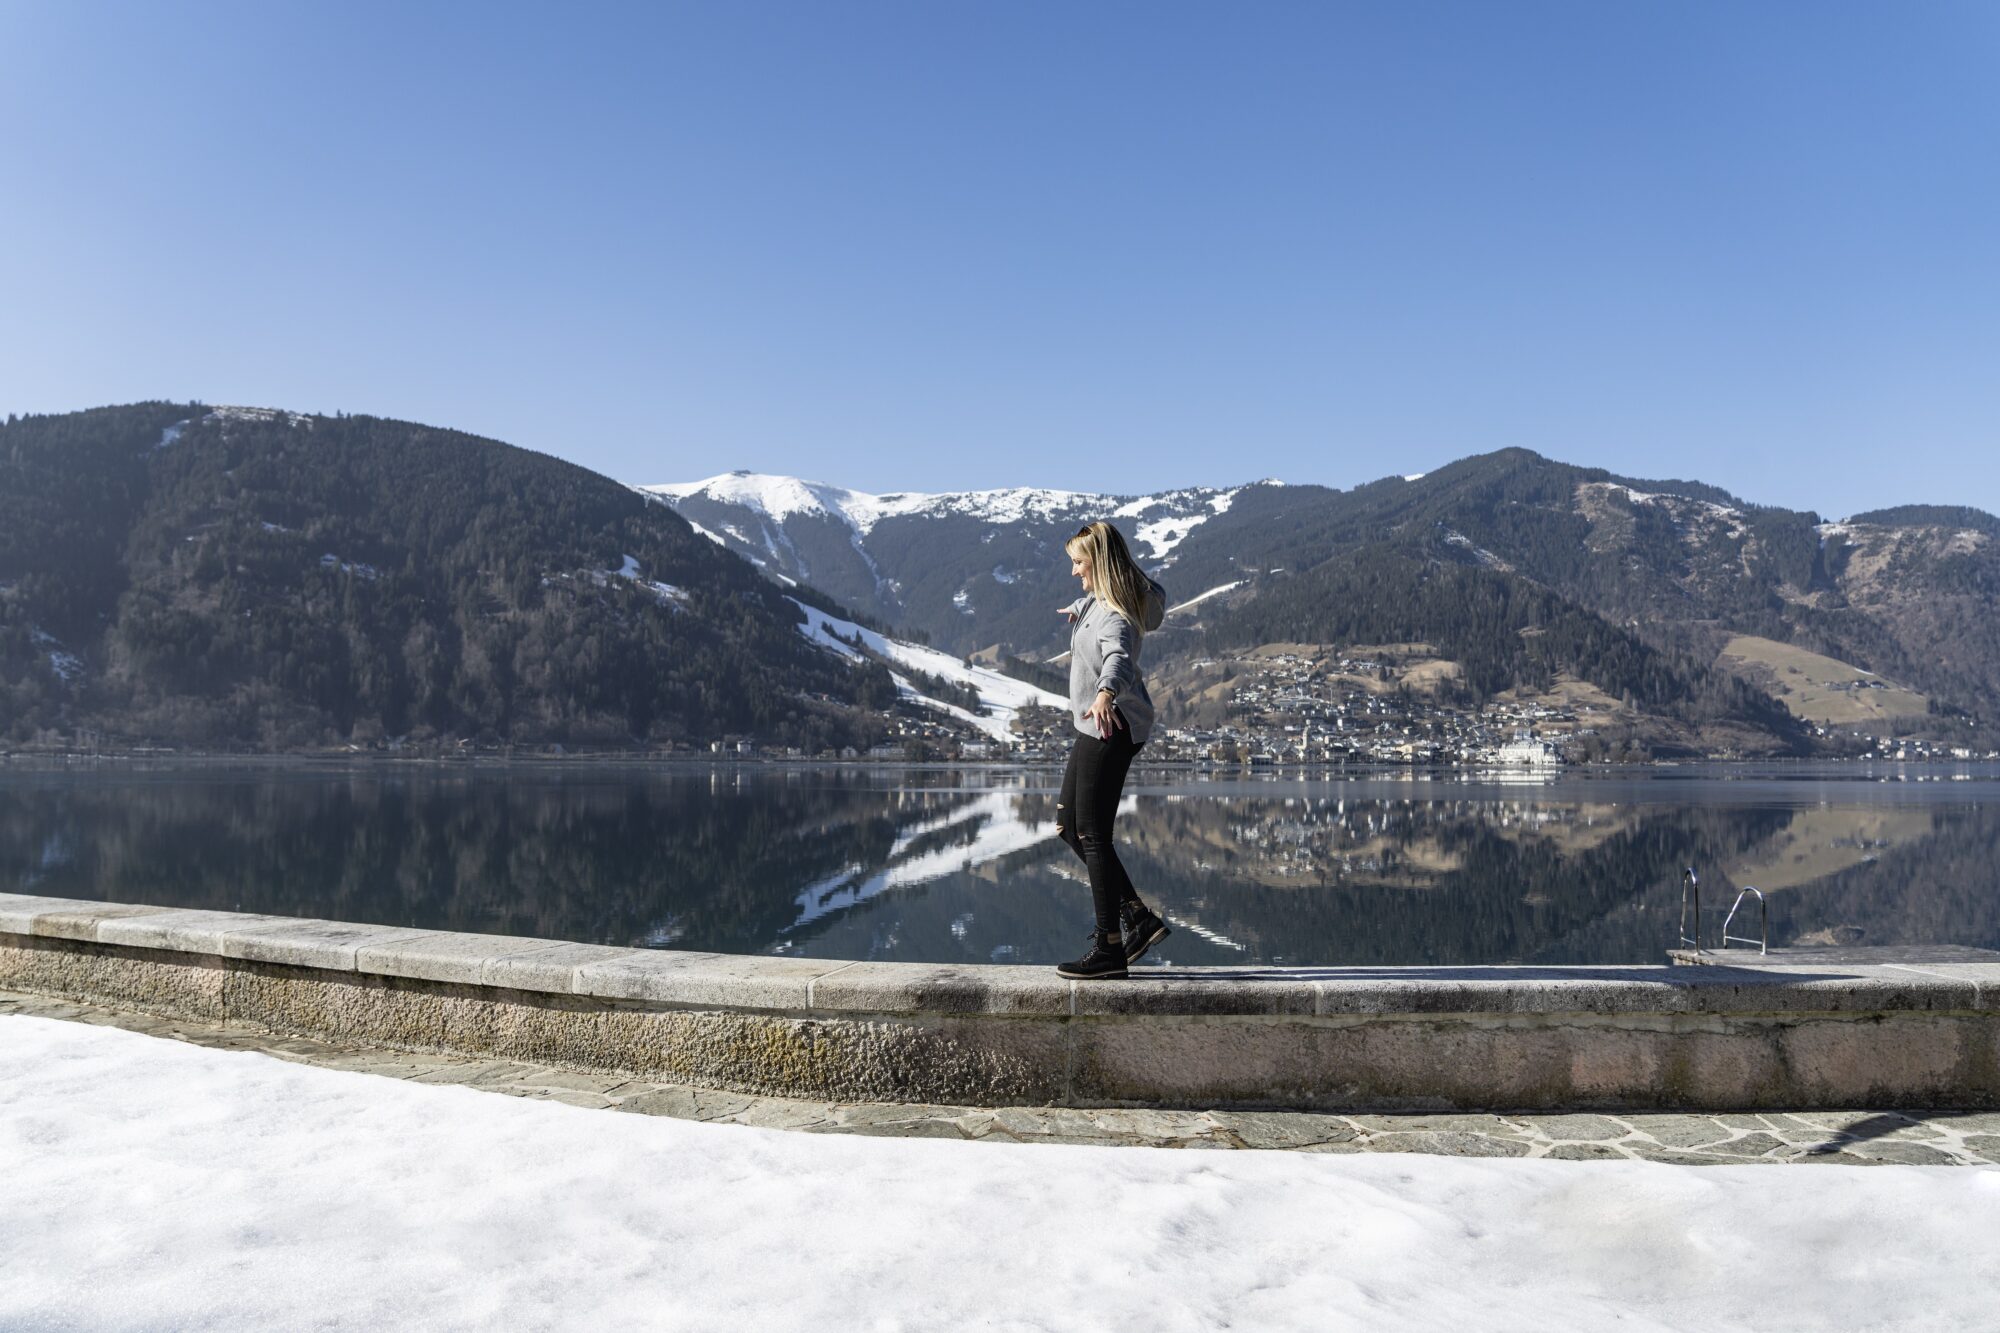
(1091, 786)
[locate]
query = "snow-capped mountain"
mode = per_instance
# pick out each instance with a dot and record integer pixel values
(1157, 522)
(1683, 565)
(969, 569)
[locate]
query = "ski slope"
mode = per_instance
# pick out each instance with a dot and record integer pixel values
(1003, 696)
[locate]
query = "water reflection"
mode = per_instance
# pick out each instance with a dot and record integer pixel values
(945, 865)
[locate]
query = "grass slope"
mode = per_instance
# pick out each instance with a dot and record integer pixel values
(1815, 688)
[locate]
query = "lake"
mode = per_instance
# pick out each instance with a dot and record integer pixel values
(962, 865)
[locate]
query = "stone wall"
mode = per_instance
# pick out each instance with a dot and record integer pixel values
(1497, 1038)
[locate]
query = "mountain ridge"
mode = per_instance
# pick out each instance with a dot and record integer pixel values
(254, 578)
(269, 579)
(1681, 564)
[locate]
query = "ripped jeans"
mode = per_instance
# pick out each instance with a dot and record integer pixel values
(1085, 811)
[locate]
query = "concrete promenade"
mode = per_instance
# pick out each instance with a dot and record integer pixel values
(1528, 1040)
(1852, 1138)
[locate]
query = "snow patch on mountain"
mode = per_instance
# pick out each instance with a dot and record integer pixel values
(1479, 553)
(887, 588)
(1002, 696)
(1199, 598)
(1685, 510)
(228, 414)
(354, 567)
(999, 506)
(778, 498)
(1185, 511)
(67, 665)
(172, 433)
(665, 593)
(1163, 535)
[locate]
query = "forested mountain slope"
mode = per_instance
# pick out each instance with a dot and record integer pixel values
(1682, 567)
(261, 579)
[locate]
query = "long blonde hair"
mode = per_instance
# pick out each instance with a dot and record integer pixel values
(1115, 579)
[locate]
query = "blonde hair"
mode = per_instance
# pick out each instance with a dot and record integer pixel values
(1115, 579)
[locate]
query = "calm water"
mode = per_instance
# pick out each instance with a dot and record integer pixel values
(941, 865)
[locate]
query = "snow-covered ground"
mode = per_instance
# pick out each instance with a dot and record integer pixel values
(150, 1184)
(1003, 695)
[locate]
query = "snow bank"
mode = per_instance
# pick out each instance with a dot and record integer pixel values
(150, 1184)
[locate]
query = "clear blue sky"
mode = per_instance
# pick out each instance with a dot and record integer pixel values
(936, 245)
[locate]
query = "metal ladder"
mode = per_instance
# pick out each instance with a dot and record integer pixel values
(1691, 911)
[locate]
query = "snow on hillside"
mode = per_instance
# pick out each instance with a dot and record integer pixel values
(717, 539)
(1199, 598)
(1682, 508)
(666, 593)
(1164, 519)
(67, 665)
(227, 414)
(1003, 696)
(1479, 553)
(779, 498)
(1186, 511)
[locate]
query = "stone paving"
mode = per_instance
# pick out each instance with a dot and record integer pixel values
(1858, 1138)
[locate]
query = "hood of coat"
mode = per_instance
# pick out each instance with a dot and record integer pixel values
(1153, 614)
(1156, 604)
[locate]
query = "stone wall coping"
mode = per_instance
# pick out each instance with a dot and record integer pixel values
(755, 982)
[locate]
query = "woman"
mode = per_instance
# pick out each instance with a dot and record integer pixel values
(1113, 715)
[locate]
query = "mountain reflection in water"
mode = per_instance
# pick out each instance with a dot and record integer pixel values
(949, 865)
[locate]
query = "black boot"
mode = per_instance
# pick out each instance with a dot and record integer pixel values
(1105, 961)
(1143, 929)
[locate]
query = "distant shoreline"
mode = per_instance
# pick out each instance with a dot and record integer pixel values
(27, 760)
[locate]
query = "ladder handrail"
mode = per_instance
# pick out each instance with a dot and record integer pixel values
(1763, 943)
(1691, 888)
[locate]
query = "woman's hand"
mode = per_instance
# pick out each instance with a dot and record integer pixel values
(1102, 713)
(1066, 614)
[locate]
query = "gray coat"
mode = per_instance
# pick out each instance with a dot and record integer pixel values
(1104, 655)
